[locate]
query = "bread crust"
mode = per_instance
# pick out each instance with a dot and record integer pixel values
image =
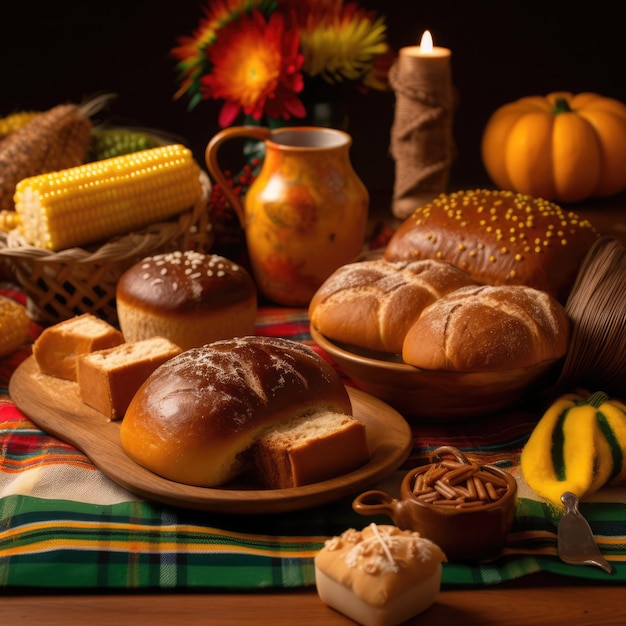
(372, 304)
(196, 417)
(188, 297)
(498, 238)
(486, 328)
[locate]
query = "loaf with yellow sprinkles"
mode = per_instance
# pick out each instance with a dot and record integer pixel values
(498, 238)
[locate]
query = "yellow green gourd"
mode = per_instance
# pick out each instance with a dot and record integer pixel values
(579, 445)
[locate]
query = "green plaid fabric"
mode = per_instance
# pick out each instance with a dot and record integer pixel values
(64, 525)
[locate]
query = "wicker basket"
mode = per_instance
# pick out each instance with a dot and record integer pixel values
(59, 285)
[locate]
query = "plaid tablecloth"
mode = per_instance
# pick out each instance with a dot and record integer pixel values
(65, 525)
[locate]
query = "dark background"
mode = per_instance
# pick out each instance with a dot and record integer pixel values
(63, 51)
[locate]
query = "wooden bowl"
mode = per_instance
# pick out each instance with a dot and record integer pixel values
(433, 395)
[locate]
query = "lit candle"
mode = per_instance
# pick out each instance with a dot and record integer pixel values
(426, 49)
(421, 138)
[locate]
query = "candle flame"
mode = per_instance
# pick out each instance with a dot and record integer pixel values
(426, 44)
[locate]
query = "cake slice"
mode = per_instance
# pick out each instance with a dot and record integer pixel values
(108, 379)
(379, 576)
(56, 349)
(309, 449)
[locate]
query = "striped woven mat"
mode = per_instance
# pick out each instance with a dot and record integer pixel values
(65, 525)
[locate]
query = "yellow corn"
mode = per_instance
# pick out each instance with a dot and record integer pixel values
(14, 324)
(95, 201)
(8, 220)
(15, 121)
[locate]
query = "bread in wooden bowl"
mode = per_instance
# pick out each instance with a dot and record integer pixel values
(484, 328)
(373, 303)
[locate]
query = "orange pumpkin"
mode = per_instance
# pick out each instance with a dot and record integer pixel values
(560, 147)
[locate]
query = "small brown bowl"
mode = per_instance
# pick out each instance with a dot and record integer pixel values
(432, 395)
(465, 533)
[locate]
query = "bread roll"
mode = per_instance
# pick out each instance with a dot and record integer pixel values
(56, 349)
(498, 238)
(188, 297)
(305, 451)
(198, 414)
(372, 304)
(108, 379)
(485, 328)
(379, 576)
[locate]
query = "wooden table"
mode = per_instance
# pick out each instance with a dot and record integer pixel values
(538, 600)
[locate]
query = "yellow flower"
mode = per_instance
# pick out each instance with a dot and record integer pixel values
(340, 42)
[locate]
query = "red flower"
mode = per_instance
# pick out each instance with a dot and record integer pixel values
(256, 68)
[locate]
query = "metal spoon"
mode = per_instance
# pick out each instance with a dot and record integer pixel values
(576, 544)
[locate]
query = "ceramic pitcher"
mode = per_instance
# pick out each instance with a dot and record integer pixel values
(305, 214)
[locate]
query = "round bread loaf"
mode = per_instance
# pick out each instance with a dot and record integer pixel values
(498, 238)
(486, 328)
(372, 304)
(197, 415)
(187, 297)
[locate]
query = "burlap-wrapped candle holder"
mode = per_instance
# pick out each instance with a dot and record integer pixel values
(422, 142)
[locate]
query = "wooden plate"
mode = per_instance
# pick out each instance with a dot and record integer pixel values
(55, 406)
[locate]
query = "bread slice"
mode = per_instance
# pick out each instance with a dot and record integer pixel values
(57, 347)
(108, 379)
(309, 449)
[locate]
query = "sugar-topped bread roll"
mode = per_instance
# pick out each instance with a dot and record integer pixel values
(372, 304)
(379, 576)
(197, 416)
(187, 297)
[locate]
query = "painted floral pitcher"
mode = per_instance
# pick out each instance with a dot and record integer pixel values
(305, 214)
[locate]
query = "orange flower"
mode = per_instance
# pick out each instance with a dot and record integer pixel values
(256, 68)
(191, 51)
(256, 55)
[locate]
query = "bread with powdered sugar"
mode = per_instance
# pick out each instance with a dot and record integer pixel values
(196, 418)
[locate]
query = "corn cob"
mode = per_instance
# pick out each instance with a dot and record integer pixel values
(14, 324)
(9, 220)
(94, 201)
(15, 121)
(53, 140)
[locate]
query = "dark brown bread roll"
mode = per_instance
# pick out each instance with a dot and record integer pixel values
(187, 297)
(198, 414)
(488, 328)
(498, 238)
